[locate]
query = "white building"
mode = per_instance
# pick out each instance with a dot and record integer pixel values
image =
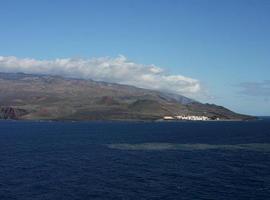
(192, 117)
(168, 118)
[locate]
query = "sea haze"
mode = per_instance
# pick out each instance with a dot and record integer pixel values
(124, 160)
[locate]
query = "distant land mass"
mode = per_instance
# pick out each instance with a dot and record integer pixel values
(45, 97)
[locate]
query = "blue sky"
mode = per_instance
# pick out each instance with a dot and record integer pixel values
(225, 44)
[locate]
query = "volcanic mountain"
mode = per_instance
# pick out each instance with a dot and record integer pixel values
(44, 97)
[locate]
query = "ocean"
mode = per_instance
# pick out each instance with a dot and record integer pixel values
(134, 160)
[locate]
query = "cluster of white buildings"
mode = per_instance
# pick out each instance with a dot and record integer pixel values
(188, 117)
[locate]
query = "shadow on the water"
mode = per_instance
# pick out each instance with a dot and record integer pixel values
(263, 147)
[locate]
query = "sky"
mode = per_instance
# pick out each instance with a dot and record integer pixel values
(215, 51)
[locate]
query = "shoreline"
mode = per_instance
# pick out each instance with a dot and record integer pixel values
(130, 120)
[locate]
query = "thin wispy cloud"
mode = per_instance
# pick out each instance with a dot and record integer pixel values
(117, 70)
(257, 89)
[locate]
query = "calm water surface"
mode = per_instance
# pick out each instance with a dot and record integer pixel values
(120, 160)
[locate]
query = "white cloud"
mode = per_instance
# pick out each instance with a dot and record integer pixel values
(117, 70)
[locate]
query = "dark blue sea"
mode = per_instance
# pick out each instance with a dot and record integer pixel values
(129, 160)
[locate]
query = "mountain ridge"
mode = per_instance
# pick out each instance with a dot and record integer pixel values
(46, 97)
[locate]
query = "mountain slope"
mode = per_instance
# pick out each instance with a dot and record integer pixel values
(42, 97)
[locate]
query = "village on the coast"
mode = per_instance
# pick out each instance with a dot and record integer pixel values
(188, 118)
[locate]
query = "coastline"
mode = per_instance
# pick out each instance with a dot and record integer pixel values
(132, 120)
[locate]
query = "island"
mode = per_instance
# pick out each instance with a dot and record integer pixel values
(46, 97)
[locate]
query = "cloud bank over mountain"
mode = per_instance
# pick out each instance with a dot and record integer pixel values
(117, 70)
